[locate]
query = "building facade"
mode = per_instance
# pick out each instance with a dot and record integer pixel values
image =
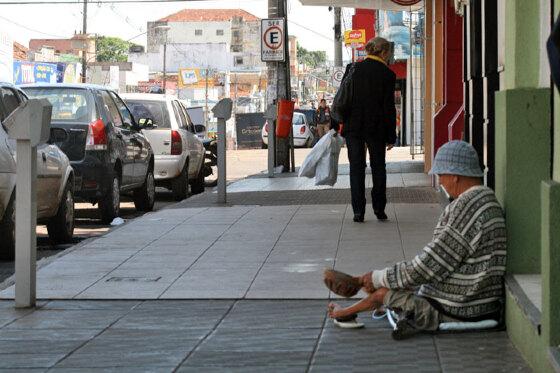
(235, 32)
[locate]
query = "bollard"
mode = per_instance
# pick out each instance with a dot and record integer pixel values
(222, 111)
(29, 126)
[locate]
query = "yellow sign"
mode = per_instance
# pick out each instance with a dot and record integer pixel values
(354, 37)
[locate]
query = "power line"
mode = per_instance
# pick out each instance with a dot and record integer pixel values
(30, 29)
(62, 2)
(311, 30)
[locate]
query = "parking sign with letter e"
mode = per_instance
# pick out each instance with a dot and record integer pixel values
(273, 47)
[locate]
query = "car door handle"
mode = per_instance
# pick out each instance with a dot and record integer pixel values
(44, 157)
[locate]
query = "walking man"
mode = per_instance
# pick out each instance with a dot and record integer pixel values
(372, 125)
(323, 118)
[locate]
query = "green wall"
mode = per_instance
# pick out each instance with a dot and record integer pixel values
(550, 196)
(522, 29)
(522, 162)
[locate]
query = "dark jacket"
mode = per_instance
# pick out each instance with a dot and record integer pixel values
(373, 102)
(323, 115)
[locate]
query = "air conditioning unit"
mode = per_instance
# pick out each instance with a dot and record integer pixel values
(136, 49)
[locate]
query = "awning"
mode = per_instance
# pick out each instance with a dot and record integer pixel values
(369, 4)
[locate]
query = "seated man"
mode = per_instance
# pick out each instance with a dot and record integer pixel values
(458, 276)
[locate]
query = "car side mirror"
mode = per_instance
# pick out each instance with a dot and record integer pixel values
(146, 123)
(199, 128)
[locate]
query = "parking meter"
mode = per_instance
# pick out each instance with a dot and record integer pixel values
(222, 111)
(29, 125)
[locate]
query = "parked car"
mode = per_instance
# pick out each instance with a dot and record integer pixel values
(301, 130)
(179, 153)
(104, 143)
(55, 182)
(196, 113)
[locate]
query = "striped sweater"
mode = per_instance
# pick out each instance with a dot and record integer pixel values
(462, 268)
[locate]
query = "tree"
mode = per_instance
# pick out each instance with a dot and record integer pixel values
(312, 59)
(112, 49)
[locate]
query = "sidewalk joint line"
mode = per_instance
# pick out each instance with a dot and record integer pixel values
(205, 251)
(399, 230)
(316, 347)
(438, 357)
(137, 252)
(95, 336)
(203, 339)
(338, 243)
(270, 252)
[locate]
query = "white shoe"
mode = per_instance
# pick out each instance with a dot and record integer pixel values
(351, 324)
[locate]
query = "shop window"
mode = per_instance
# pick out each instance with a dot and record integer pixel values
(198, 32)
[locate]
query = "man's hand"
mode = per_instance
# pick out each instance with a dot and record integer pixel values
(367, 282)
(390, 146)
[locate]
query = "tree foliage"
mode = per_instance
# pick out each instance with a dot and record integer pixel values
(112, 49)
(312, 59)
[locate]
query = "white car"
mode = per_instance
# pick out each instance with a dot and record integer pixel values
(301, 130)
(55, 183)
(179, 153)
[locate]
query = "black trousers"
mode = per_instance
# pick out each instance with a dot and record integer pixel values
(357, 156)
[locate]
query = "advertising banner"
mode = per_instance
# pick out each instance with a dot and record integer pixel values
(196, 78)
(354, 37)
(248, 129)
(34, 72)
(6, 57)
(395, 27)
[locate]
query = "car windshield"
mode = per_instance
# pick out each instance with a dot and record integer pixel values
(69, 104)
(298, 120)
(154, 110)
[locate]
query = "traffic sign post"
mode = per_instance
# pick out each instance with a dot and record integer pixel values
(337, 76)
(273, 48)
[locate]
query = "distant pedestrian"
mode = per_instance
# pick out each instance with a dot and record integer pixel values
(323, 118)
(371, 124)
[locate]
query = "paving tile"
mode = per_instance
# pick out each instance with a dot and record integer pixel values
(28, 360)
(68, 319)
(120, 369)
(242, 369)
(274, 340)
(246, 359)
(479, 352)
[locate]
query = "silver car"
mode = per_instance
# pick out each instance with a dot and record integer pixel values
(55, 181)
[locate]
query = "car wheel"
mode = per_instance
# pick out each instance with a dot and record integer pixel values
(180, 185)
(264, 146)
(61, 226)
(110, 205)
(8, 231)
(144, 198)
(197, 186)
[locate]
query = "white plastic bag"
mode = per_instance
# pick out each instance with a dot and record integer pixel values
(326, 170)
(309, 165)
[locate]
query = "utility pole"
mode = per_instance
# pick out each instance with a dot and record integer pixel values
(279, 85)
(85, 41)
(206, 100)
(337, 38)
(165, 65)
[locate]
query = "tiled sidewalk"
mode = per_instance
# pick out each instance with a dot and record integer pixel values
(240, 252)
(228, 336)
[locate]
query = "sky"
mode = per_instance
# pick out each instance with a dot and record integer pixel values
(312, 25)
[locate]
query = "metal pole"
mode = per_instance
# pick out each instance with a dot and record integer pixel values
(337, 37)
(206, 101)
(85, 41)
(26, 224)
(164, 64)
(222, 161)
